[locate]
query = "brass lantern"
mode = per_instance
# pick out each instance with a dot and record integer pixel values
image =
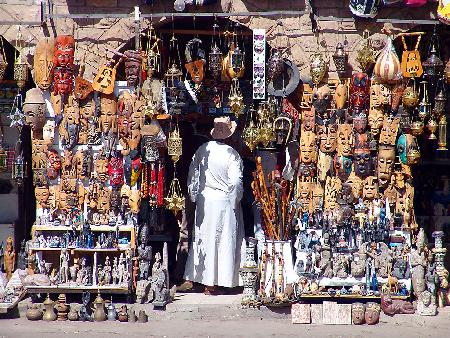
(174, 145)
(433, 66)
(410, 95)
(20, 71)
(442, 140)
(318, 67)
(153, 53)
(432, 127)
(366, 55)
(215, 62)
(175, 199)
(424, 104)
(3, 158)
(447, 72)
(340, 58)
(440, 99)
(173, 76)
(235, 99)
(19, 167)
(3, 61)
(250, 134)
(417, 128)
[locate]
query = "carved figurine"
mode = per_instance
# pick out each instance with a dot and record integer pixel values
(358, 265)
(107, 271)
(326, 262)
(115, 271)
(426, 304)
(9, 258)
(69, 127)
(159, 282)
(144, 257)
(133, 63)
(64, 266)
(340, 266)
(392, 307)
(34, 109)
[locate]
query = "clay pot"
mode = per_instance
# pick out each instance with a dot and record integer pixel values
(34, 312)
(142, 317)
(123, 314)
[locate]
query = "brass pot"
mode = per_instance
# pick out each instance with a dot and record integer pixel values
(49, 314)
(417, 128)
(410, 97)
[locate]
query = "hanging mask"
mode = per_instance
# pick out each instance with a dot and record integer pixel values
(385, 164)
(42, 195)
(359, 92)
(195, 60)
(115, 171)
(342, 167)
(43, 63)
(64, 51)
(327, 137)
(388, 134)
(83, 88)
(53, 164)
(104, 80)
(317, 196)
(196, 70)
(34, 110)
(356, 183)
(375, 120)
(408, 150)
(360, 123)
(345, 140)
(282, 127)
(375, 96)
(133, 64)
(321, 100)
(62, 81)
(361, 156)
(101, 167)
(308, 147)
(370, 188)
(340, 96)
(324, 166)
(108, 117)
(116, 200)
(136, 169)
(48, 132)
(397, 94)
(134, 201)
(332, 189)
(308, 120)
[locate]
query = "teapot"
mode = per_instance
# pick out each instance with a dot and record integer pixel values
(99, 309)
(49, 313)
(112, 313)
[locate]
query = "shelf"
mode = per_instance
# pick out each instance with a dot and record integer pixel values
(51, 228)
(49, 249)
(84, 249)
(93, 228)
(111, 228)
(347, 297)
(77, 289)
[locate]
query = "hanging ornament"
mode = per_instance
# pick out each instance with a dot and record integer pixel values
(3, 61)
(424, 104)
(318, 67)
(250, 134)
(153, 53)
(442, 141)
(236, 100)
(340, 58)
(175, 199)
(215, 57)
(174, 144)
(417, 127)
(411, 63)
(20, 65)
(433, 65)
(440, 99)
(410, 95)
(366, 55)
(447, 72)
(174, 74)
(387, 67)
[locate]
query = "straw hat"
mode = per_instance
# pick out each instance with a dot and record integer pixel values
(223, 128)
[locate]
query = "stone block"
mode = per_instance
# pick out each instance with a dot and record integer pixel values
(330, 312)
(316, 314)
(344, 314)
(301, 313)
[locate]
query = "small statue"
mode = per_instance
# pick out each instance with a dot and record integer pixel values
(100, 275)
(431, 279)
(383, 261)
(358, 311)
(142, 291)
(53, 277)
(145, 257)
(400, 269)
(9, 258)
(115, 271)
(340, 266)
(64, 266)
(84, 314)
(107, 271)
(395, 306)
(326, 262)
(122, 272)
(159, 283)
(358, 265)
(23, 254)
(426, 304)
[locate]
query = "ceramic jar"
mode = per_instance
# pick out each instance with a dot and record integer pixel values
(123, 314)
(34, 312)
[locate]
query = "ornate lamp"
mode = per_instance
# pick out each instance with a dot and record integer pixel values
(19, 167)
(237, 60)
(173, 76)
(442, 138)
(174, 145)
(215, 62)
(366, 55)
(250, 134)
(340, 58)
(433, 66)
(3, 157)
(3, 62)
(318, 67)
(440, 99)
(424, 104)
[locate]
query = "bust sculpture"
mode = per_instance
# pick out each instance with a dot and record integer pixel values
(426, 304)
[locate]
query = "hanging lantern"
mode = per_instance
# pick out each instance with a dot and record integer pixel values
(366, 55)
(153, 54)
(215, 62)
(318, 67)
(174, 144)
(236, 100)
(173, 76)
(413, 155)
(410, 95)
(340, 58)
(20, 72)
(250, 134)
(3, 62)
(424, 105)
(19, 167)
(175, 199)
(432, 127)
(442, 141)
(3, 158)
(237, 60)
(440, 99)
(447, 72)
(417, 128)
(433, 66)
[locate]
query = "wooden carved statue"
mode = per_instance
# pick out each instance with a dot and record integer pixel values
(389, 130)
(89, 129)
(332, 189)
(43, 63)
(9, 258)
(108, 121)
(345, 140)
(34, 109)
(69, 127)
(133, 62)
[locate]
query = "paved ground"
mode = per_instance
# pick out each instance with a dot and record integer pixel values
(221, 316)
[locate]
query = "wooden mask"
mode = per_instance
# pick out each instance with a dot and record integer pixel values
(360, 122)
(317, 196)
(108, 117)
(78, 162)
(104, 200)
(370, 188)
(361, 156)
(196, 70)
(308, 119)
(48, 132)
(345, 140)
(321, 99)
(356, 184)
(397, 94)
(386, 94)
(115, 171)
(375, 120)
(375, 96)
(304, 190)
(133, 62)
(324, 166)
(87, 120)
(101, 167)
(134, 201)
(83, 88)
(69, 128)
(104, 80)
(38, 154)
(327, 136)
(340, 96)
(64, 51)
(43, 63)
(342, 167)
(53, 164)
(385, 164)
(359, 92)
(389, 130)
(42, 194)
(63, 81)
(332, 189)
(34, 110)
(308, 147)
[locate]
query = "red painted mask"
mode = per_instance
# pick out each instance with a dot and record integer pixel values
(359, 92)
(115, 171)
(62, 80)
(54, 164)
(64, 51)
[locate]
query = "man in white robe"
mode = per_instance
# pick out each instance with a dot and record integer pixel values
(215, 185)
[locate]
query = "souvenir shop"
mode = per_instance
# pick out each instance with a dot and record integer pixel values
(348, 183)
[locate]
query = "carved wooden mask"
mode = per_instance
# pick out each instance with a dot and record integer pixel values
(83, 88)
(101, 167)
(356, 183)
(133, 64)
(317, 196)
(63, 81)
(43, 63)
(385, 164)
(375, 119)
(64, 51)
(332, 189)
(42, 194)
(327, 136)
(115, 171)
(359, 92)
(389, 130)
(196, 70)
(108, 117)
(308, 119)
(48, 132)
(361, 156)
(342, 167)
(308, 147)
(321, 99)
(370, 188)
(345, 140)
(134, 201)
(53, 165)
(340, 96)
(34, 110)
(104, 201)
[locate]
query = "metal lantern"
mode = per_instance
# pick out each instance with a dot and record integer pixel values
(433, 66)
(19, 167)
(174, 145)
(432, 127)
(440, 99)
(20, 72)
(175, 199)
(413, 155)
(237, 60)
(3, 62)
(417, 128)
(424, 104)
(250, 134)
(173, 76)
(3, 158)
(215, 62)
(447, 72)
(318, 67)
(366, 55)
(340, 58)
(442, 140)
(410, 97)
(275, 64)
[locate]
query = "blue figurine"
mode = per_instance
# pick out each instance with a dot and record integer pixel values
(374, 282)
